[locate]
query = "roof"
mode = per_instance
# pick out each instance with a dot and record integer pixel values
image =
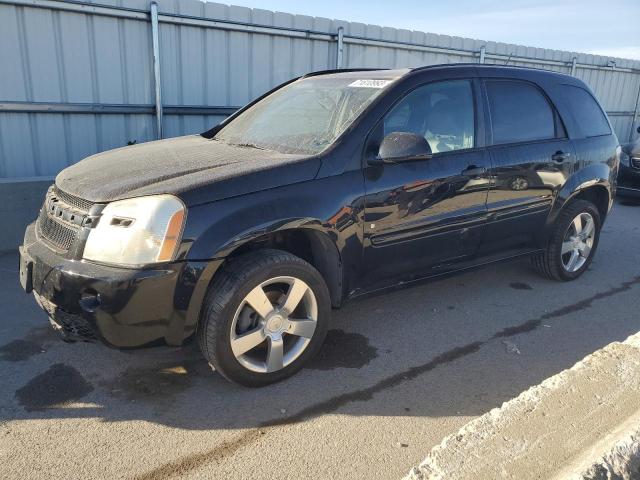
(400, 72)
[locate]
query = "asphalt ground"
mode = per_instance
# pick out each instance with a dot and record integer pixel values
(398, 373)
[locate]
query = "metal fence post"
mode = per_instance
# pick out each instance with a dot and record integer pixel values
(340, 55)
(636, 114)
(156, 67)
(574, 62)
(483, 51)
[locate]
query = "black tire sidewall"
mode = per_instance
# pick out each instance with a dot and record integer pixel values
(223, 359)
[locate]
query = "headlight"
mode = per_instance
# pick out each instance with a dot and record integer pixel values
(137, 231)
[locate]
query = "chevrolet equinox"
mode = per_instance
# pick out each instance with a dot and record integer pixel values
(331, 186)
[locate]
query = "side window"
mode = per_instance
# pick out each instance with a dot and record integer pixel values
(519, 112)
(586, 111)
(442, 112)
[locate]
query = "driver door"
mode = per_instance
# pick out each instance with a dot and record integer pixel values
(424, 216)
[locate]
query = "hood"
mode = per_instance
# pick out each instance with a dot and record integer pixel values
(185, 166)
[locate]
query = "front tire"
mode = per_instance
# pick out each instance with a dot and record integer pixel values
(572, 243)
(264, 317)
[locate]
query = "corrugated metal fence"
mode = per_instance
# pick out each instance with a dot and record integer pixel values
(80, 77)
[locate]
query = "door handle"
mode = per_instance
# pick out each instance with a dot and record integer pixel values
(474, 171)
(560, 156)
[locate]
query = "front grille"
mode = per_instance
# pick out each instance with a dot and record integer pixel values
(61, 217)
(60, 235)
(635, 162)
(72, 201)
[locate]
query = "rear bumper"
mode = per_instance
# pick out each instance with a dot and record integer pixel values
(120, 307)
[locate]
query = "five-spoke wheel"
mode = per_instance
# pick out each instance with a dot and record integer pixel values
(274, 324)
(578, 241)
(571, 242)
(265, 315)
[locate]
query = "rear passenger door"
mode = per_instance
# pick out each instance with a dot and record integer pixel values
(531, 158)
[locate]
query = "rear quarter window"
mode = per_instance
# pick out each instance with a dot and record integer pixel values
(586, 111)
(519, 112)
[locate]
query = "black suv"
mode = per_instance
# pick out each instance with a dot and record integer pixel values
(331, 186)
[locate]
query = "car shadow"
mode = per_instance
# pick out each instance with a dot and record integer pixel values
(462, 345)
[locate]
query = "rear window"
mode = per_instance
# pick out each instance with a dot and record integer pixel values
(519, 112)
(586, 112)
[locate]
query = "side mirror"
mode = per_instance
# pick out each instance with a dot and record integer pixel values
(403, 147)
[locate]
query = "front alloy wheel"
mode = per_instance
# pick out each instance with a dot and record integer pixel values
(265, 315)
(274, 324)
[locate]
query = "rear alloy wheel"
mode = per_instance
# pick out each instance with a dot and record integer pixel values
(266, 315)
(572, 243)
(578, 242)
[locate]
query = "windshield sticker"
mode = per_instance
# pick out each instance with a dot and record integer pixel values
(370, 83)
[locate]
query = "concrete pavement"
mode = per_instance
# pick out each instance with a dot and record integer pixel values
(399, 373)
(580, 423)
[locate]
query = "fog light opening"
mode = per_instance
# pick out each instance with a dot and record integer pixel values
(90, 301)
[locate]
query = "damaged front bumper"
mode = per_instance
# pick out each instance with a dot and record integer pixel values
(120, 307)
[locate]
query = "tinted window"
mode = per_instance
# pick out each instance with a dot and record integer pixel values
(441, 112)
(519, 112)
(586, 112)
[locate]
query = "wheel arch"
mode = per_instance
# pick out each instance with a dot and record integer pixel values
(592, 183)
(598, 195)
(303, 238)
(311, 244)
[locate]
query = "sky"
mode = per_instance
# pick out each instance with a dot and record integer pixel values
(604, 27)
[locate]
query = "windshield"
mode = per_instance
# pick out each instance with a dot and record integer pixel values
(305, 116)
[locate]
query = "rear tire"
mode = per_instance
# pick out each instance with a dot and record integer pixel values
(265, 315)
(572, 242)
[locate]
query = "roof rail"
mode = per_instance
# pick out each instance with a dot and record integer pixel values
(341, 70)
(489, 66)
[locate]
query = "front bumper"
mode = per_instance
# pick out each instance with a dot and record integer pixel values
(120, 307)
(628, 181)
